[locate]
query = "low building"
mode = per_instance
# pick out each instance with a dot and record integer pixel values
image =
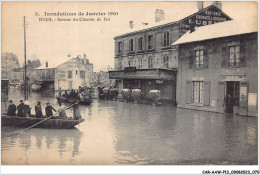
(68, 75)
(145, 53)
(218, 68)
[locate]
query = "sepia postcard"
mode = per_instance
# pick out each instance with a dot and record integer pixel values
(130, 83)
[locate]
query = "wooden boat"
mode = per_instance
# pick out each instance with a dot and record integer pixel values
(70, 100)
(53, 123)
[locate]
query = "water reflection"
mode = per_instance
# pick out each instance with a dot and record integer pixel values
(128, 133)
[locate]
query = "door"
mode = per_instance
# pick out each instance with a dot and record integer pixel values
(232, 96)
(70, 85)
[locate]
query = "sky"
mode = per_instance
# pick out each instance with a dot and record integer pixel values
(53, 41)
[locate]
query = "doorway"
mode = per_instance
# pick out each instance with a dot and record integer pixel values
(232, 95)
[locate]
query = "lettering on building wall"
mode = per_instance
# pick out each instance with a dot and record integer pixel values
(204, 18)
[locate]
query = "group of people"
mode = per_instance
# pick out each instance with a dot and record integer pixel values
(24, 110)
(79, 94)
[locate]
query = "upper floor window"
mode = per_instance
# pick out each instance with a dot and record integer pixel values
(69, 74)
(234, 55)
(165, 61)
(199, 58)
(131, 45)
(82, 74)
(150, 62)
(150, 41)
(166, 39)
(119, 49)
(140, 43)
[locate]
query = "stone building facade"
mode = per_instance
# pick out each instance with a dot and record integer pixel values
(148, 51)
(218, 69)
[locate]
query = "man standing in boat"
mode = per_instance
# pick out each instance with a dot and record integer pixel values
(76, 112)
(11, 108)
(48, 110)
(62, 112)
(38, 110)
(21, 109)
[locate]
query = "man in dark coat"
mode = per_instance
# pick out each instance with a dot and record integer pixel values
(48, 110)
(38, 110)
(11, 109)
(21, 109)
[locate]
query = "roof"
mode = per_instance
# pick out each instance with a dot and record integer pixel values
(167, 21)
(53, 65)
(219, 30)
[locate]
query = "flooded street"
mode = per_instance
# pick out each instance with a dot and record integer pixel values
(126, 133)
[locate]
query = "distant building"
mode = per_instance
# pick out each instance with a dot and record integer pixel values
(145, 59)
(9, 62)
(218, 68)
(101, 78)
(68, 75)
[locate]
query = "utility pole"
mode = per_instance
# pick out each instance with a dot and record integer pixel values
(25, 76)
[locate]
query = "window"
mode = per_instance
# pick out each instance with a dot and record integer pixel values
(119, 64)
(150, 62)
(82, 74)
(69, 74)
(140, 64)
(197, 92)
(140, 43)
(199, 58)
(131, 45)
(166, 39)
(76, 72)
(119, 47)
(150, 41)
(165, 61)
(234, 55)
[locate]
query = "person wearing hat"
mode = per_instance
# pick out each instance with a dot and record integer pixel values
(21, 109)
(27, 109)
(38, 110)
(11, 108)
(48, 110)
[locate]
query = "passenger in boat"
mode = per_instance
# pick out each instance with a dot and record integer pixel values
(76, 112)
(27, 109)
(60, 92)
(21, 109)
(38, 110)
(65, 95)
(62, 112)
(48, 110)
(11, 108)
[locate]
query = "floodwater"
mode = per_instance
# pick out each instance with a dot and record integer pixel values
(118, 133)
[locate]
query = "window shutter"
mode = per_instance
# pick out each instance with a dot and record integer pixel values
(206, 98)
(116, 47)
(188, 91)
(225, 56)
(158, 40)
(242, 55)
(205, 59)
(136, 43)
(172, 39)
(191, 59)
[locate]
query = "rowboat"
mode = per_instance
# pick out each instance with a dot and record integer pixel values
(70, 100)
(53, 123)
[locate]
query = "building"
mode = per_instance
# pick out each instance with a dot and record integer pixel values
(218, 68)
(68, 75)
(145, 59)
(9, 62)
(46, 76)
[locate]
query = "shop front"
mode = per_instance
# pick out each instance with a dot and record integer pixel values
(146, 80)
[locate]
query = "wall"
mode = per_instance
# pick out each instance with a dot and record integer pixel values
(156, 53)
(217, 72)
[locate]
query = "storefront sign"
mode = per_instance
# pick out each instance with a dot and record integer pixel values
(207, 17)
(143, 74)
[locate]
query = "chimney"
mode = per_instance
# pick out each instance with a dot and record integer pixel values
(218, 4)
(159, 15)
(200, 5)
(46, 64)
(131, 23)
(85, 59)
